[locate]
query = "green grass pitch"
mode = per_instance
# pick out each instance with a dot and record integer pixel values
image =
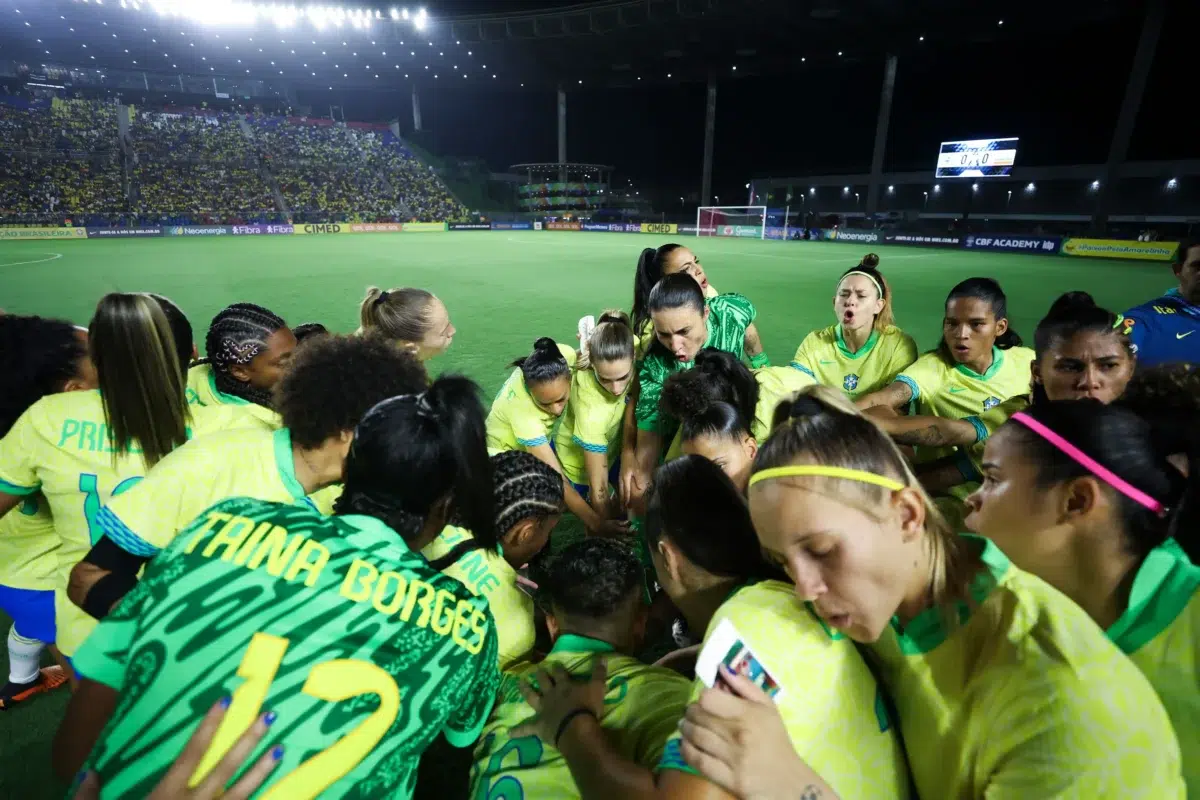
(503, 290)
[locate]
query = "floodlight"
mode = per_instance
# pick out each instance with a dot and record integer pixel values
(404, 13)
(419, 23)
(1172, 183)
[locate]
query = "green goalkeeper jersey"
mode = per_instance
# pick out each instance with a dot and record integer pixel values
(364, 652)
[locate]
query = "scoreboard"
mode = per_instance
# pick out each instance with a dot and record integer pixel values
(977, 158)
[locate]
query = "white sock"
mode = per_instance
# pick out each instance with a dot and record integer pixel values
(24, 657)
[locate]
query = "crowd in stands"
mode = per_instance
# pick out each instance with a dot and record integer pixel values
(208, 191)
(184, 136)
(44, 188)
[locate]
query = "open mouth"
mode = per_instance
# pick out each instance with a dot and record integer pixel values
(847, 316)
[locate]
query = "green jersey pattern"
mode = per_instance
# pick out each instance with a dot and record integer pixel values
(363, 651)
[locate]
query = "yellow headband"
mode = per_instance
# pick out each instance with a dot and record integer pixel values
(816, 470)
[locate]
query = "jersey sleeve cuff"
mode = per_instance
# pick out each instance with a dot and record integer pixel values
(981, 431)
(541, 440)
(912, 385)
(965, 467)
(17, 490)
(461, 739)
(802, 368)
(123, 537)
(588, 446)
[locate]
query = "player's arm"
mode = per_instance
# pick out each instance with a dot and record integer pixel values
(576, 504)
(8, 502)
(895, 395)
(943, 474)
(597, 472)
(629, 437)
(106, 574)
(90, 709)
(922, 431)
(753, 346)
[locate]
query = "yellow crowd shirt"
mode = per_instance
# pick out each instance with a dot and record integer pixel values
(248, 462)
(486, 574)
(515, 422)
(876, 364)
(202, 391)
(27, 545)
(590, 424)
(1160, 632)
(61, 446)
(642, 707)
(836, 715)
(1024, 697)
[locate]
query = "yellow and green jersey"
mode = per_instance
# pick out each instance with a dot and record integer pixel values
(364, 652)
(835, 713)
(62, 446)
(876, 364)
(642, 707)
(27, 545)
(775, 384)
(488, 575)
(591, 424)
(645, 337)
(1160, 632)
(250, 462)
(202, 391)
(515, 421)
(1024, 697)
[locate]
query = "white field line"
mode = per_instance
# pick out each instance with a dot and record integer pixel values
(36, 261)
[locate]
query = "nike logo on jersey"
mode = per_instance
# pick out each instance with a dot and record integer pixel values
(956, 389)
(823, 361)
(1182, 335)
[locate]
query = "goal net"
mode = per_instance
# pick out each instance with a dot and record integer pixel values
(740, 221)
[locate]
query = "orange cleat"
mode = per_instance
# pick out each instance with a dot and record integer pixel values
(49, 679)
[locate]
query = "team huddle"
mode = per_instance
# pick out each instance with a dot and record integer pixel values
(303, 567)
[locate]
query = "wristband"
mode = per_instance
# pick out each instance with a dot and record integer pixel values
(572, 714)
(759, 361)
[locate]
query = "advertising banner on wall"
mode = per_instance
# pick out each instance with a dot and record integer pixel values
(198, 230)
(124, 233)
(261, 230)
(424, 227)
(595, 226)
(27, 234)
(1118, 248)
(1045, 245)
(851, 236)
(375, 227)
(317, 228)
(920, 239)
(563, 226)
(515, 226)
(470, 226)
(660, 227)
(742, 231)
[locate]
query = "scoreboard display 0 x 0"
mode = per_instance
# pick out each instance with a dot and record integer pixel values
(977, 158)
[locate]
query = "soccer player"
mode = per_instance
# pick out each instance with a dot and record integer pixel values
(595, 613)
(412, 318)
(1167, 329)
(1003, 686)
(684, 324)
(524, 411)
(334, 631)
(79, 449)
(248, 350)
(588, 442)
(529, 502)
(332, 382)
(37, 357)
(1079, 494)
(864, 351)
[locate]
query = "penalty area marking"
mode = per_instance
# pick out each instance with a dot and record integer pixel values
(51, 257)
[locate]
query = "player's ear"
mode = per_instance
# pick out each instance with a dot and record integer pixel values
(240, 373)
(670, 558)
(1001, 326)
(1035, 371)
(552, 626)
(1080, 498)
(521, 533)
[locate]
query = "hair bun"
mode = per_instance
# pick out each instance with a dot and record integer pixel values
(545, 343)
(805, 406)
(614, 315)
(1071, 302)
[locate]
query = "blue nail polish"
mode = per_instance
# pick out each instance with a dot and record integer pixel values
(269, 718)
(277, 752)
(226, 700)
(80, 777)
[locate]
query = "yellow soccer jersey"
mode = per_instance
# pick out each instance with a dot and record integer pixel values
(1024, 698)
(877, 363)
(61, 445)
(774, 385)
(488, 575)
(645, 337)
(835, 713)
(250, 462)
(515, 422)
(591, 423)
(1160, 632)
(642, 707)
(202, 391)
(27, 545)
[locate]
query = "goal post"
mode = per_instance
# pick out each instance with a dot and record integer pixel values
(748, 222)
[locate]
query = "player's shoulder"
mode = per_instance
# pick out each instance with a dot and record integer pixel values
(568, 352)
(766, 608)
(931, 362)
(1163, 307)
(52, 409)
(893, 336)
(1019, 357)
(821, 337)
(207, 420)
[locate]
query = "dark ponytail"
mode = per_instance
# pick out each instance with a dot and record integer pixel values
(988, 290)
(37, 357)
(695, 505)
(718, 378)
(545, 363)
(411, 452)
(1071, 314)
(649, 272)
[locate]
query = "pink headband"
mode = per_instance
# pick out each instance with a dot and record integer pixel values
(1090, 464)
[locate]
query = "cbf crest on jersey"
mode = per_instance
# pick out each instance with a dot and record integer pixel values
(850, 382)
(991, 402)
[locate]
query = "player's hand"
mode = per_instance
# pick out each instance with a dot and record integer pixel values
(735, 737)
(611, 529)
(174, 785)
(682, 661)
(553, 694)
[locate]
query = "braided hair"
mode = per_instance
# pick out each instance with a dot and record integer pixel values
(526, 488)
(236, 336)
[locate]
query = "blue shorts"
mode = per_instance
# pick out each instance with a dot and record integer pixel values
(32, 612)
(585, 491)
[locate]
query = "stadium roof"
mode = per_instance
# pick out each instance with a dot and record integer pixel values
(522, 42)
